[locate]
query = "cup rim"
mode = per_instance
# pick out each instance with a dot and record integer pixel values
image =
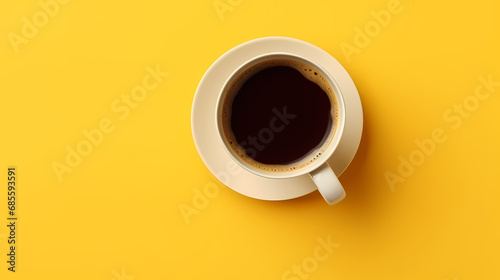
(331, 147)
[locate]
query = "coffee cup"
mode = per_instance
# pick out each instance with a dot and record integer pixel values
(280, 115)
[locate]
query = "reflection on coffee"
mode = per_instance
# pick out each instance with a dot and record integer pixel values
(280, 115)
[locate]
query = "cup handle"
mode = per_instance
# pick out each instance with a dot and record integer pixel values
(328, 184)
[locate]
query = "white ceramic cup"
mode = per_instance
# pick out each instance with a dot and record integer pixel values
(321, 173)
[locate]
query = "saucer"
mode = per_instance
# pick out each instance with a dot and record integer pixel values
(216, 158)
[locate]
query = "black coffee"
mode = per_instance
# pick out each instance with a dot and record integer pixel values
(280, 114)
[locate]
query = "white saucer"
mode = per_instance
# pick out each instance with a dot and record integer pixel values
(210, 147)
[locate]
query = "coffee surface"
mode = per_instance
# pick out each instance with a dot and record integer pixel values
(278, 116)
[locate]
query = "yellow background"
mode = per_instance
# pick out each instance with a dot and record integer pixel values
(117, 215)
